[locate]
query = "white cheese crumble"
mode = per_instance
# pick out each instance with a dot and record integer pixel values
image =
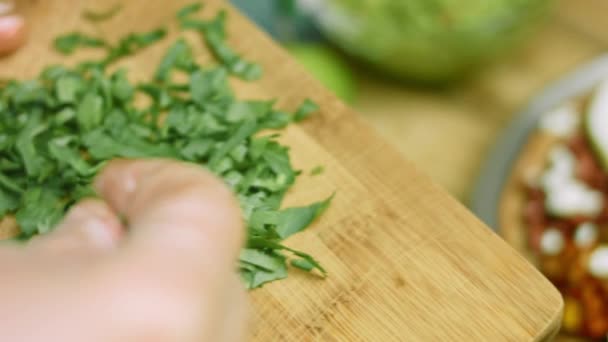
(566, 195)
(598, 262)
(562, 121)
(552, 242)
(574, 198)
(562, 166)
(585, 235)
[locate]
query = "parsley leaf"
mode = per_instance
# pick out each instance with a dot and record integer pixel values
(41, 209)
(263, 268)
(303, 264)
(317, 170)
(25, 145)
(8, 202)
(179, 55)
(58, 131)
(89, 112)
(133, 43)
(305, 110)
(293, 220)
(10, 185)
(68, 43)
(102, 15)
(188, 10)
(214, 33)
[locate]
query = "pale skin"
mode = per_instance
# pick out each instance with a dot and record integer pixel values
(153, 259)
(12, 30)
(166, 275)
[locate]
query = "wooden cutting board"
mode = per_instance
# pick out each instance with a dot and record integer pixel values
(406, 261)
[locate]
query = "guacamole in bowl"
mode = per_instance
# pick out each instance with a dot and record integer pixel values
(425, 40)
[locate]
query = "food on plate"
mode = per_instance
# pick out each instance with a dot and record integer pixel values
(58, 130)
(555, 208)
(596, 124)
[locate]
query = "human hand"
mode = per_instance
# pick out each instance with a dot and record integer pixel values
(167, 275)
(12, 29)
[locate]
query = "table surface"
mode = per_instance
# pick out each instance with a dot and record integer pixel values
(447, 134)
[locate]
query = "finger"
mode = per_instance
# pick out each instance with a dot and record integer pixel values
(89, 225)
(180, 215)
(12, 33)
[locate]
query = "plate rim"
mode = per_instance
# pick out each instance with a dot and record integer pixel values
(497, 167)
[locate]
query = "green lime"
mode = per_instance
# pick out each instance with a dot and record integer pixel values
(327, 67)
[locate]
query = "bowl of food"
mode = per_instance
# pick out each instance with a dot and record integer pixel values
(429, 41)
(545, 189)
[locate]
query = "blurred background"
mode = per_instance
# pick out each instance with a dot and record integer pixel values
(440, 79)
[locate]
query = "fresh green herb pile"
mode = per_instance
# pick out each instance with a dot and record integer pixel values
(58, 131)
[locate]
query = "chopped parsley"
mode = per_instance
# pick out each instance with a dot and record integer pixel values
(59, 130)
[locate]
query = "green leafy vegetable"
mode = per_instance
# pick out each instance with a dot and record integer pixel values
(214, 33)
(303, 264)
(132, 43)
(257, 258)
(293, 220)
(102, 16)
(8, 202)
(68, 43)
(317, 170)
(178, 56)
(59, 130)
(10, 184)
(306, 109)
(25, 146)
(89, 113)
(188, 10)
(274, 269)
(40, 210)
(66, 89)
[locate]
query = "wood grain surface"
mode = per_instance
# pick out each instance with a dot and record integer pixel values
(406, 261)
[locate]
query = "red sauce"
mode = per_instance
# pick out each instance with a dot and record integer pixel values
(586, 297)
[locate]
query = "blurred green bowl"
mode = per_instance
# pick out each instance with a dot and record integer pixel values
(433, 41)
